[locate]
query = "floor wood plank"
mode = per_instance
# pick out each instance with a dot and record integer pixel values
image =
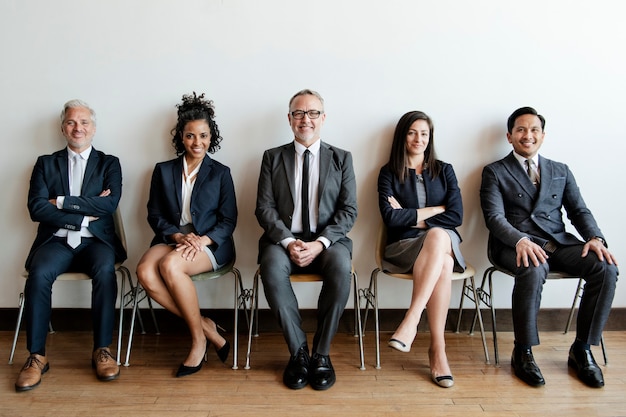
(400, 388)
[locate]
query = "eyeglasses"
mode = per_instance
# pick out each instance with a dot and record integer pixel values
(299, 114)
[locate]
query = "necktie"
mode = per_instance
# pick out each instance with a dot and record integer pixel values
(306, 223)
(532, 172)
(73, 236)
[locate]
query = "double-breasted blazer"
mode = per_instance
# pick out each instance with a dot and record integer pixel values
(513, 208)
(337, 209)
(50, 179)
(213, 204)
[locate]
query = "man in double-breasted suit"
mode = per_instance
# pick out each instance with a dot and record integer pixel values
(522, 196)
(73, 195)
(306, 232)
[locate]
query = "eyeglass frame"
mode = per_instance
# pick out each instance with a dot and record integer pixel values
(302, 113)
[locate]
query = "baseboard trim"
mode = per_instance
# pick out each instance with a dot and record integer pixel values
(74, 319)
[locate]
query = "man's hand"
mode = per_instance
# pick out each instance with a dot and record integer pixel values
(303, 253)
(598, 248)
(526, 249)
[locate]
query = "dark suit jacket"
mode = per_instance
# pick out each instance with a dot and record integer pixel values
(50, 180)
(443, 190)
(213, 204)
(513, 208)
(276, 195)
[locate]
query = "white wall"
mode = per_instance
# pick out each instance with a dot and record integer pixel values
(467, 64)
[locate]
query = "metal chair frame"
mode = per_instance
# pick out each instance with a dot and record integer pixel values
(486, 297)
(241, 300)
(370, 294)
(76, 276)
(254, 316)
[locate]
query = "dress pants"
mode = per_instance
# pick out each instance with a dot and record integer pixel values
(55, 257)
(595, 305)
(335, 266)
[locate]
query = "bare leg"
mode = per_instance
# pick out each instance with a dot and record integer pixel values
(438, 306)
(164, 274)
(427, 271)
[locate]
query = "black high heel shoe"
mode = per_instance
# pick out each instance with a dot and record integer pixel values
(184, 370)
(223, 352)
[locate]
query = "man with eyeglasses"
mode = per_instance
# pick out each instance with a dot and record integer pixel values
(305, 227)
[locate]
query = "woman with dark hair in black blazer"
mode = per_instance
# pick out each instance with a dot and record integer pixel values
(421, 206)
(193, 212)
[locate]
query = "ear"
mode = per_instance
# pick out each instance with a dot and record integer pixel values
(508, 137)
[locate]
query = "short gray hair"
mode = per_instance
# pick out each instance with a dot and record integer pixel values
(72, 104)
(307, 92)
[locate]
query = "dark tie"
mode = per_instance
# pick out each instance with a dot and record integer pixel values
(306, 223)
(532, 173)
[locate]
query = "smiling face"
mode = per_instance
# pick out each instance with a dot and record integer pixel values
(526, 135)
(417, 138)
(78, 128)
(306, 130)
(196, 139)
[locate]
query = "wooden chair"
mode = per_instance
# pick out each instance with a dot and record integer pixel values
(487, 298)
(241, 299)
(76, 276)
(370, 294)
(254, 316)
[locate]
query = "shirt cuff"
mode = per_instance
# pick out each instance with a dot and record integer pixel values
(522, 238)
(60, 200)
(324, 241)
(286, 241)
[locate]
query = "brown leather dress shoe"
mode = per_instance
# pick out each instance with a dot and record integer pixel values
(30, 375)
(105, 365)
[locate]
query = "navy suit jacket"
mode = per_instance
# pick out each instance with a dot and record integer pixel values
(276, 195)
(50, 180)
(513, 208)
(443, 190)
(213, 204)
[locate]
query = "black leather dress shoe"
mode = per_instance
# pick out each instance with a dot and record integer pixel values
(525, 368)
(321, 372)
(296, 372)
(588, 371)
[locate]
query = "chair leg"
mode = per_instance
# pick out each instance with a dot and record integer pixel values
(355, 280)
(374, 281)
(493, 319)
(132, 323)
(460, 312)
(124, 273)
(571, 310)
(480, 320)
(606, 359)
(254, 312)
(17, 327)
(238, 296)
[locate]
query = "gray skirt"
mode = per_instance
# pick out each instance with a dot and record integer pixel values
(400, 256)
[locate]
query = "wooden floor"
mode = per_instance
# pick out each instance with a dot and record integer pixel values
(400, 388)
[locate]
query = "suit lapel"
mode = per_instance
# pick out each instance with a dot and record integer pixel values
(92, 163)
(177, 180)
(62, 166)
(288, 156)
(326, 157)
(515, 169)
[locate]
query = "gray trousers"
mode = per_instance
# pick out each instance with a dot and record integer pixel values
(335, 266)
(595, 305)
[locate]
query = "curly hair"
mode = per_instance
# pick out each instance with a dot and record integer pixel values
(192, 108)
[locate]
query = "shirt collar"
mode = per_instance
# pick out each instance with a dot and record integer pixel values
(522, 160)
(314, 148)
(84, 154)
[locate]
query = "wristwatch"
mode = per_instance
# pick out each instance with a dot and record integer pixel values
(600, 239)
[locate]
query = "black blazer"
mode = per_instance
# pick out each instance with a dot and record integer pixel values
(443, 190)
(50, 180)
(213, 204)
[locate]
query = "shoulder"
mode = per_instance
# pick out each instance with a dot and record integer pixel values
(334, 149)
(216, 165)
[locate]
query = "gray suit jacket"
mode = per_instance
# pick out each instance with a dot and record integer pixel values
(513, 208)
(276, 195)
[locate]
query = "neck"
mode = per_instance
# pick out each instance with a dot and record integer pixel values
(416, 163)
